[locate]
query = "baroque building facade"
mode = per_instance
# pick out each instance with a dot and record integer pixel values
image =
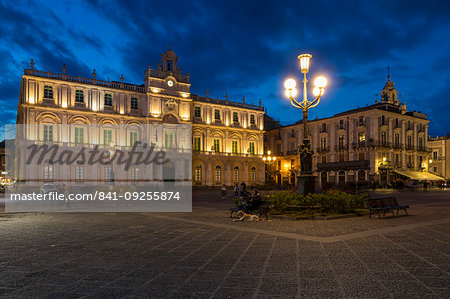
(439, 160)
(377, 143)
(227, 136)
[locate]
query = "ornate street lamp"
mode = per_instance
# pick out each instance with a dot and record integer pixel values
(306, 179)
(268, 160)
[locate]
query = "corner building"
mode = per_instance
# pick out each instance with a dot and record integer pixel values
(227, 136)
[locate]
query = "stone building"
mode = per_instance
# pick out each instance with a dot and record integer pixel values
(375, 143)
(439, 160)
(227, 136)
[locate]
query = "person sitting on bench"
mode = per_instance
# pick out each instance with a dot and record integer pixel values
(254, 202)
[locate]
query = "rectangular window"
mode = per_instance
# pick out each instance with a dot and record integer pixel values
(48, 92)
(216, 145)
(409, 142)
(341, 141)
(169, 140)
(79, 172)
(324, 159)
(107, 173)
(108, 99)
(234, 146)
(48, 133)
(107, 137)
(48, 172)
(361, 156)
(79, 135)
(323, 143)
(435, 155)
(197, 141)
(341, 124)
(252, 119)
(324, 127)
(79, 96)
(133, 138)
(169, 65)
(134, 103)
(134, 173)
(383, 138)
(361, 120)
(197, 112)
(361, 138)
(251, 148)
(235, 117)
(198, 174)
(216, 114)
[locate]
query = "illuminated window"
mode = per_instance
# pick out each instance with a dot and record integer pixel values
(79, 172)
(341, 141)
(197, 141)
(169, 140)
(134, 173)
(383, 138)
(235, 117)
(133, 138)
(251, 147)
(48, 92)
(323, 143)
(252, 119)
(236, 173)
(218, 173)
(134, 103)
(48, 172)
(198, 173)
(48, 133)
(108, 99)
(234, 146)
(216, 114)
(79, 135)
(216, 146)
(397, 140)
(79, 96)
(107, 137)
(361, 138)
(197, 111)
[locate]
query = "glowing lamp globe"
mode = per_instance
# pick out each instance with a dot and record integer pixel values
(290, 84)
(320, 82)
(318, 91)
(264, 158)
(304, 62)
(291, 92)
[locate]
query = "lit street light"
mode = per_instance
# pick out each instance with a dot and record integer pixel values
(268, 160)
(306, 182)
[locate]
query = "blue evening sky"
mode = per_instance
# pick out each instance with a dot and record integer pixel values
(245, 48)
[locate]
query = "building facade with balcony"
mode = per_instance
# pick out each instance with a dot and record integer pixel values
(374, 143)
(227, 136)
(439, 161)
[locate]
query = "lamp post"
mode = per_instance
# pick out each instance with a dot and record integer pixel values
(306, 179)
(268, 160)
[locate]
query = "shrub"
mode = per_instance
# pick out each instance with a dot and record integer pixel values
(330, 202)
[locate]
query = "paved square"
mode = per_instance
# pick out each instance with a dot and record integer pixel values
(205, 254)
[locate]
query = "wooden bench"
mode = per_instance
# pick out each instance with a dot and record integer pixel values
(384, 204)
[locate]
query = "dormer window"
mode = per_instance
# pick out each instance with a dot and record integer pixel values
(169, 65)
(48, 92)
(108, 99)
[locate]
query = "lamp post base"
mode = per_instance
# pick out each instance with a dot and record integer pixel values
(306, 184)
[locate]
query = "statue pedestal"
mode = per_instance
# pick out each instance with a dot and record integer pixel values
(306, 184)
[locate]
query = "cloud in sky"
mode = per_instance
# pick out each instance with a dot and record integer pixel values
(244, 48)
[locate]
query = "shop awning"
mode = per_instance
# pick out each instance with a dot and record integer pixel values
(421, 176)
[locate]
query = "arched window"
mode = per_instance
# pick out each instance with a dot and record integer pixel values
(253, 174)
(48, 172)
(361, 175)
(108, 99)
(236, 173)
(342, 177)
(79, 96)
(218, 174)
(198, 173)
(48, 92)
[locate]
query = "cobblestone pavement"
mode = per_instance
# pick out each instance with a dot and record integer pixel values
(205, 254)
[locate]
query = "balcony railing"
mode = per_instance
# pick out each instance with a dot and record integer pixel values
(213, 153)
(339, 148)
(348, 165)
(323, 149)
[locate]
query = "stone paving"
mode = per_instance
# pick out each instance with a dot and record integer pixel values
(205, 255)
